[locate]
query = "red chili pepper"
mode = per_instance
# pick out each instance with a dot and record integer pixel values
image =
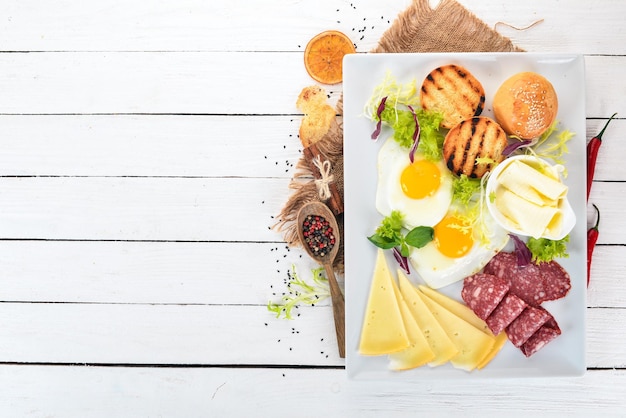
(592, 238)
(592, 154)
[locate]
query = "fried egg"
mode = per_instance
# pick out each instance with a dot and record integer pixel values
(421, 191)
(459, 249)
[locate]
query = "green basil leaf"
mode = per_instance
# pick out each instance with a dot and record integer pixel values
(384, 243)
(420, 236)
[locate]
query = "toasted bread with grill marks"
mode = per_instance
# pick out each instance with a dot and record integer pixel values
(477, 137)
(453, 91)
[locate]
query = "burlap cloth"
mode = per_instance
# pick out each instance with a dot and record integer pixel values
(447, 28)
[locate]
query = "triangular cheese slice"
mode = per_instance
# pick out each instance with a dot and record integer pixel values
(436, 336)
(419, 352)
(457, 308)
(473, 344)
(383, 330)
(501, 339)
(465, 313)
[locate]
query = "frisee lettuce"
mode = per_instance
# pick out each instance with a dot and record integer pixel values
(464, 189)
(301, 293)
(552, 145)
(398, 99)
(545, 250)
(397, 94)
(403, 124)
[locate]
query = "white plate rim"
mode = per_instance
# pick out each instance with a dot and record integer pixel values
(565, 356)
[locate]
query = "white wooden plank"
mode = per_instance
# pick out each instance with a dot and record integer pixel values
(149, 272)
(210, 335)
(190, 209)
(165, 334)
(232, 26)
(106, 392)
(104, 208)
(606, 287)
(192, 25)
(161, 146)
(207, 146)
(195, 273)
(203, 83)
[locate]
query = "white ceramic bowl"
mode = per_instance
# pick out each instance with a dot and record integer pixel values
(569, 218)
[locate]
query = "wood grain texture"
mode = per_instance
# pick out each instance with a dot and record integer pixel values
(190, 334)
(196, 25)
(145, 149)
(199, 392)
(214, 83)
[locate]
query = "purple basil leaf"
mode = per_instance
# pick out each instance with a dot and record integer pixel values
(416, 135)
(402, 261)
(515, 146)
(524, 256)
(379, 125)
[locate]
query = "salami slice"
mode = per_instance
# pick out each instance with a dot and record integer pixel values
(483, 292)
(548, 332)
(533, 283)
(556, 281)
(507, 310)
(526, 324)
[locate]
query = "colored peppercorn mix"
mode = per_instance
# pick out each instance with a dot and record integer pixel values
(318, 235)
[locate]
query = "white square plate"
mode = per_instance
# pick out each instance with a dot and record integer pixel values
(564, 356)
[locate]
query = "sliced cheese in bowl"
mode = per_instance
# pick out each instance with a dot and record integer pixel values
(526, 196)
(532, 183)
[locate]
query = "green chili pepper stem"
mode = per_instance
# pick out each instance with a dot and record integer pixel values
(598, 218)
(599, 136)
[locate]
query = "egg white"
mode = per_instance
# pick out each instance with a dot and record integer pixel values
(438, 270)
(428, 211)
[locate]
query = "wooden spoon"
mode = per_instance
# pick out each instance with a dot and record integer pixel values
(320, 209)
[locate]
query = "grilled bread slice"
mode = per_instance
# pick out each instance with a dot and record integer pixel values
(474, 138)
(453, 91)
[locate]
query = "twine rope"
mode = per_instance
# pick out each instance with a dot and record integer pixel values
(323, 183)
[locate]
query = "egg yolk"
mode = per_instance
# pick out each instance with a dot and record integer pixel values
(420, 179)
(453, 237)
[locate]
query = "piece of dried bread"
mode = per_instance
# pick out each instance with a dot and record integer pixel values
(474, 138)
(453, 91)
(318, 114)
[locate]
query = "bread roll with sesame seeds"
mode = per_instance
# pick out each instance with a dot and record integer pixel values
(525, 105)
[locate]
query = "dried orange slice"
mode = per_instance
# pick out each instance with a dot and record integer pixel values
(323, 56)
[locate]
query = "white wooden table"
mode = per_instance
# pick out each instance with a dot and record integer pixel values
(145, 148)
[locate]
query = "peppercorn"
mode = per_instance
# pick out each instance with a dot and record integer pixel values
(318, 235)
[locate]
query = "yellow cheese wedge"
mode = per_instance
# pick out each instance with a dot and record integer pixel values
(473, 344)
(438, 340)
(501, 339)
(383, 330)
(419, 352)
(464, 312)
(457, 308)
